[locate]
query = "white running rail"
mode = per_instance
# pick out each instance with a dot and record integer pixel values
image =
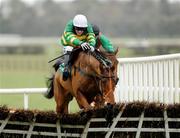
(153, 79)
(25, 91)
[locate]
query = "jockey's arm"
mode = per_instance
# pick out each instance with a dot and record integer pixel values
(91, 39)
(91, 36)
(106, 43)
(68, 37)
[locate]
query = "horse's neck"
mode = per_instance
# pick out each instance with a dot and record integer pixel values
(87, 62)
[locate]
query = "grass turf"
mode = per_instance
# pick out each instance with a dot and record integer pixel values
(27, 79)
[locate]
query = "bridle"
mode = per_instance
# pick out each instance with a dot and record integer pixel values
(97, 77)
(101, 78)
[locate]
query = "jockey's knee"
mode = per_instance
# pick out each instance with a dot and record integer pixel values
(67, 48)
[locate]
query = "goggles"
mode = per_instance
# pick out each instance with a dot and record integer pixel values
(80, 28)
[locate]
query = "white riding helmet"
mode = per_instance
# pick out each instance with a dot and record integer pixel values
(80, 21)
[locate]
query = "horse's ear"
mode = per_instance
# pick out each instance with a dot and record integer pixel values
(116, 51)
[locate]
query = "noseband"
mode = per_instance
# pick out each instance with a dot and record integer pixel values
(97, 77)
(100, 78)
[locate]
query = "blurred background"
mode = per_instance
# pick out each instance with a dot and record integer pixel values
(30, 30)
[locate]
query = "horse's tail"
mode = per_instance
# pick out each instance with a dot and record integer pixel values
(50, 91)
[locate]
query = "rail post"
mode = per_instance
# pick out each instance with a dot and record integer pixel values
(26, 100)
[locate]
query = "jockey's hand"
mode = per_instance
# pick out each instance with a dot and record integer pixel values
(85, 46)
(92, 48)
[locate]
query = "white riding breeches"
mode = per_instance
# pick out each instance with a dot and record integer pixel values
(67, 49)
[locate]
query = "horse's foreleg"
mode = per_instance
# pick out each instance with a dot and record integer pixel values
(81, 100)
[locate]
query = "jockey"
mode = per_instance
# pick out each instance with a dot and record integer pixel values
(78, 32)
(102, 40)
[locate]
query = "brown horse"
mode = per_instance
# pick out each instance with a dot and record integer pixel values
(93, 78)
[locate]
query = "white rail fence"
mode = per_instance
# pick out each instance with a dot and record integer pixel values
(25, 92)
(153, 79)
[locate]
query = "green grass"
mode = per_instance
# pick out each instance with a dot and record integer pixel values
(23, 79)
(36, 102)
(27, 79)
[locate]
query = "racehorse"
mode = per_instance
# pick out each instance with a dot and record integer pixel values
(93, 78)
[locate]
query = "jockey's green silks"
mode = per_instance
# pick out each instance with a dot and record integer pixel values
(106, 44)
(69, 36)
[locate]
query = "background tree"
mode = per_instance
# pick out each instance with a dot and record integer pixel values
(135, 18)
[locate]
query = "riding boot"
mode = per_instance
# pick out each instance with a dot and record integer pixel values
(56, 65)
(66, 67)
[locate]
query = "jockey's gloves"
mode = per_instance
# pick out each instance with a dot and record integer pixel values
(92, 48)
(85, 46)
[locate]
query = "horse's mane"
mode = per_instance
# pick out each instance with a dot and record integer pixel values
(99, 55)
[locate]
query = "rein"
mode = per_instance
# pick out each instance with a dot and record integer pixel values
(98, 77)
(103, 60)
